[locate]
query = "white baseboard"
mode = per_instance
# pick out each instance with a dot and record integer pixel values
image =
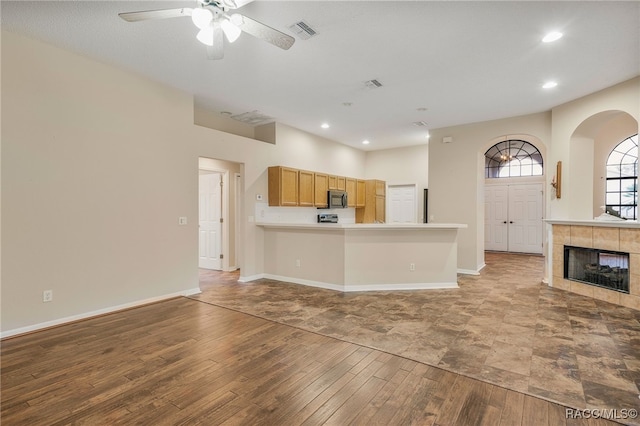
(310, 283)
(60, 321)
(242, 279)
(401, 286)
(469, 271)
(366, 287)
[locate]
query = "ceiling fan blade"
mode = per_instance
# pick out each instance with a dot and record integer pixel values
(216, 50)
(235, 4)
(155, 14)
(262, 31)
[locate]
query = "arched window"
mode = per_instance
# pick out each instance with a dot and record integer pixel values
(622, 179)
(512, 158)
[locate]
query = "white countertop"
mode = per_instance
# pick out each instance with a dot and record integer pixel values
(363, 226)
(603, 223)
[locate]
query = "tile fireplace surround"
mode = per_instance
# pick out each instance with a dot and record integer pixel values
(614, 236)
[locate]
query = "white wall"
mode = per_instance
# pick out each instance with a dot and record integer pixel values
(97, 166)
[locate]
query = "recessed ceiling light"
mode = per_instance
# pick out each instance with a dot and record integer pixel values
(549, 85)
(325, 125)
(552, 36)
(421, 109)
(365, 142)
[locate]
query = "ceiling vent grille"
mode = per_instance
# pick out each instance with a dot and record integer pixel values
(420, 123)
(373, 84)
(303, 30)
(253, 118)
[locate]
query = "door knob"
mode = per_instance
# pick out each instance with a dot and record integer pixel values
(510, 221)
(504, 221)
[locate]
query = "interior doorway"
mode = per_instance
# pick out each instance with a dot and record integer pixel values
(513, 218)
(210, 219)
(220, 190)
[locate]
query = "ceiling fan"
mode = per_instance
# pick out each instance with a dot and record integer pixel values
(212, 19)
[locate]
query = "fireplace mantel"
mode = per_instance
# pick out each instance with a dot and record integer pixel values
(599, 223)
(619, 236)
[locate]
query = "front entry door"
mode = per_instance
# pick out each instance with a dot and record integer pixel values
(210, 207)
(513, 218)
(525, 218)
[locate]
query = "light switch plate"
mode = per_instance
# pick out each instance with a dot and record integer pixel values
(182, 220)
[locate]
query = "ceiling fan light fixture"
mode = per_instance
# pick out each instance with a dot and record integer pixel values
(230, 30)
(205, 35)
(201, 18)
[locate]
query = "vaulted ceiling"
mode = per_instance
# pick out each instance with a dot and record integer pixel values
(438, 63)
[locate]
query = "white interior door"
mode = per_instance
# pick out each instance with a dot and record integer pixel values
(513, 218)
(401, 200)
(525, 218)
(210, 236)
(496, 217)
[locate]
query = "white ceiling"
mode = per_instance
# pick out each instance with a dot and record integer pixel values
(463, 62)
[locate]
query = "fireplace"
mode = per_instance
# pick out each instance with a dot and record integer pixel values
(602, 268)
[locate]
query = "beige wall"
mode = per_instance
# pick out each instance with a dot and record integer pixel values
(613, 130)
(97, 166)
(384, 165)
(456, 175)
(568, 127)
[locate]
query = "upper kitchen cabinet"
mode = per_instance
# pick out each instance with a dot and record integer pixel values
(283, 186)
(352, 192)
(321, 184)
(360, 193)
(306, 189)
(337, 182)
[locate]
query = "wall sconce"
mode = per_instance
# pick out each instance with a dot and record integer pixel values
(556, 182)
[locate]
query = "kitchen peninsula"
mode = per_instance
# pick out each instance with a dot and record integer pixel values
(362, 257)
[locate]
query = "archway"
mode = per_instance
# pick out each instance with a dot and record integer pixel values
(589, 146)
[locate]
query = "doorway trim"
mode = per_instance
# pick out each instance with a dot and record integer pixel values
(224, 213)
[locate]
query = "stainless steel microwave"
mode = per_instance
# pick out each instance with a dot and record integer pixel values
(337, 199)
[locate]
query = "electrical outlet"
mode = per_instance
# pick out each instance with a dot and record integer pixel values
(412, 266)
(297, 263)
(47, 295)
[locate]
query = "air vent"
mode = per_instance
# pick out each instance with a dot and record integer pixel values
(420, 123)
(253, 118)
(303, 30)
(373, 84)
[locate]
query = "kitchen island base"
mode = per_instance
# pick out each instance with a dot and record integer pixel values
(362, 257)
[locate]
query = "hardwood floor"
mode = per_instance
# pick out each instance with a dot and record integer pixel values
(183, 361)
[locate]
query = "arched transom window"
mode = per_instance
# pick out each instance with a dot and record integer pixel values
(512, 158)
(622, 179)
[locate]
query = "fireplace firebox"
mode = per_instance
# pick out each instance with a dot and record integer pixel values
(602, 268)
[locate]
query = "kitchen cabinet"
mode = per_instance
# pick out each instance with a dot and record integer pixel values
(352, 189)
(374, 210)
(333, 182)
(342, 183)
(321, 187)
(360, 193)
(283, 186)
(306, 189)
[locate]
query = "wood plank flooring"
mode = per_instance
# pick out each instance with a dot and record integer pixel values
(183, 362)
